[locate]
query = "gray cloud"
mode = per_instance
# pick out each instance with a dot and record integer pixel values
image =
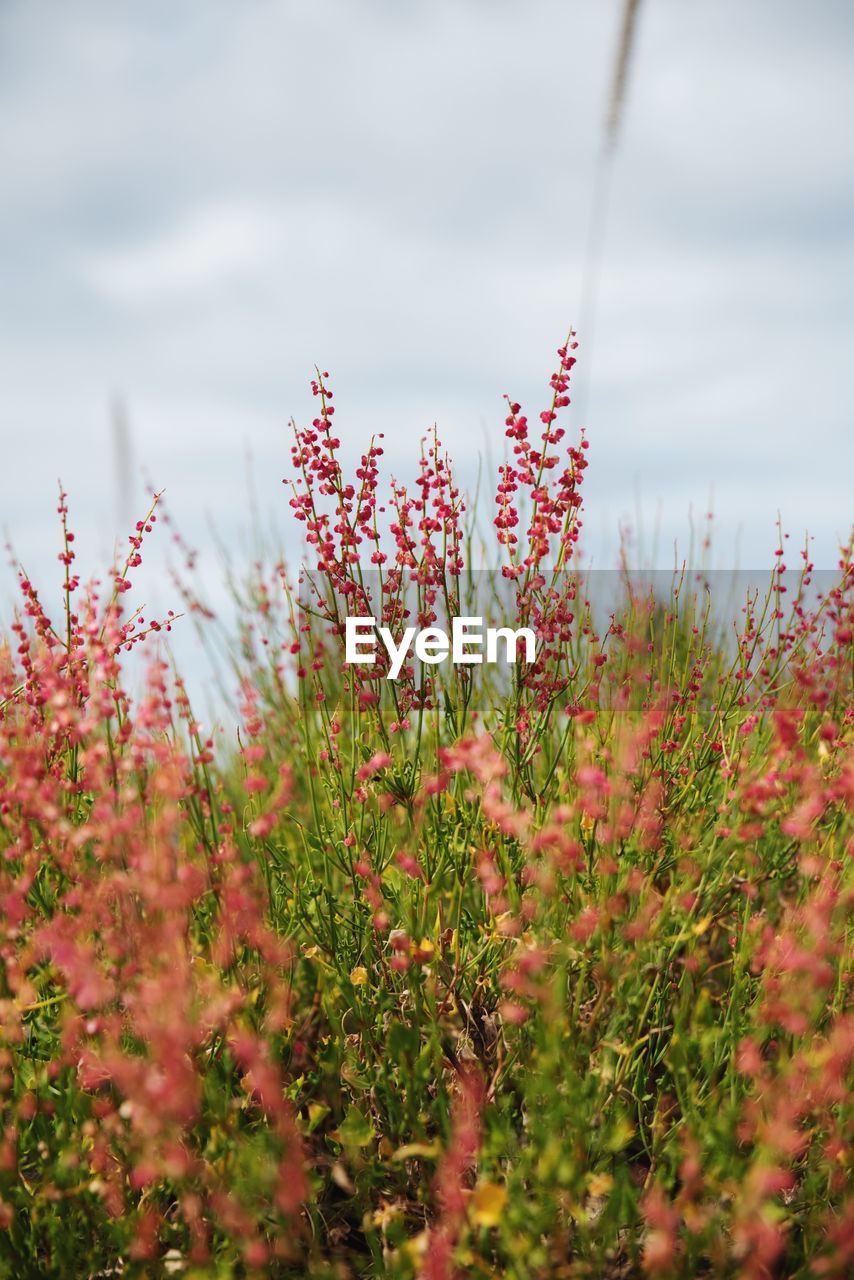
(202, 200)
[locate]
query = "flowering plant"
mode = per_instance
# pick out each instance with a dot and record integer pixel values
(545, 974)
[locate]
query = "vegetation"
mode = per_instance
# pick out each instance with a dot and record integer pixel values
(535, 973)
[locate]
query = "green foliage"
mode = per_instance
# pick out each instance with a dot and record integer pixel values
(540, 978)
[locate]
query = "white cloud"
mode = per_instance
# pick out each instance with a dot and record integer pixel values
(188, 260)
(202, 201)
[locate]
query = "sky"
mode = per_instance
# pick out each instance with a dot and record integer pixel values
(202, 201)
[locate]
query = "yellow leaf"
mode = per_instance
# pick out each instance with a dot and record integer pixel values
(599, 1184)
(429, 1150)
(416, 1246)
(359, 976)
(386, 1214)
(488, 1204)
(621, 1134)
(317, 1112)
(701, 926)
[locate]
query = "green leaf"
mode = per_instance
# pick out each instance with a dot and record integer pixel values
(356, 1129)
(401, 1041)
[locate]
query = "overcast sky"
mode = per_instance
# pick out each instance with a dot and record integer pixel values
(201, 200)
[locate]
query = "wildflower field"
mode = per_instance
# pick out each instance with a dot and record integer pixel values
(530, 973)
